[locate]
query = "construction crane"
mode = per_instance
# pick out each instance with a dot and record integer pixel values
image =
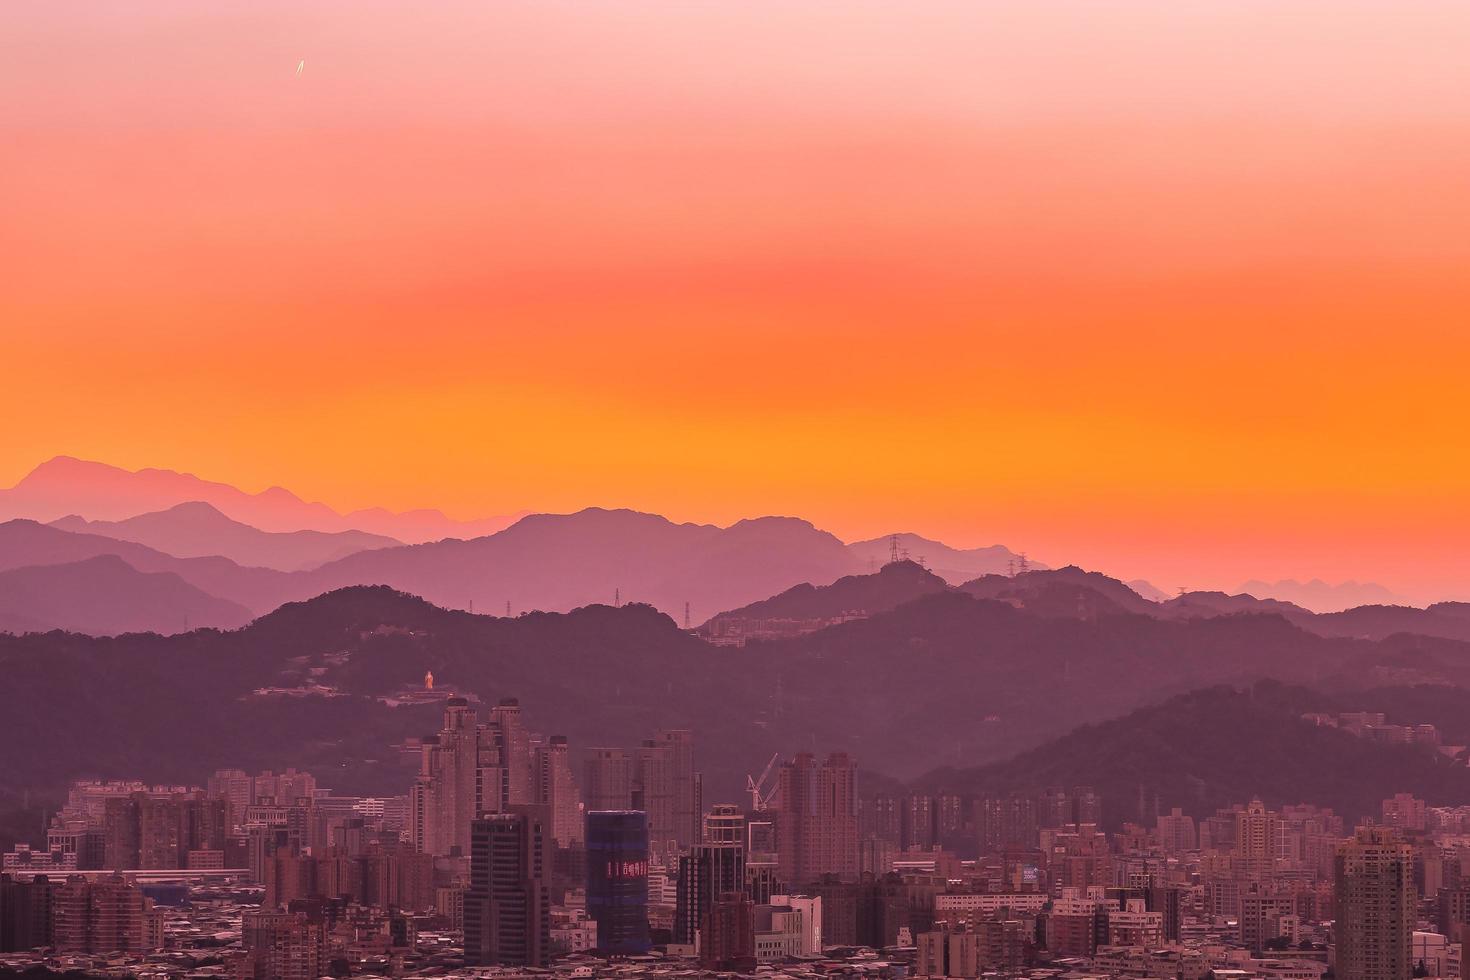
(760, 797)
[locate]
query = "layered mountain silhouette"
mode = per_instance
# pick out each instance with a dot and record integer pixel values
(894, 584)
(196, 530)
(547, 561)
(25, 543)
(104, 595)
(945, 678)
(557, 562)
(65, 486)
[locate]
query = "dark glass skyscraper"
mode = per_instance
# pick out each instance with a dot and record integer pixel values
(617, 880)
(706, 873)
(507, 911)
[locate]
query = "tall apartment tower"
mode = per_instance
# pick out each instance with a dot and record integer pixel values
(653, 793)
(1176, 832)
(556, 790)
(684, 786)
(514, 743)
(1257, 839)
(469, 770)
(816, 827)
(607, 780)
(1375, 914)
(448, 792)
(282, 946)
(507, 909)
(103, 915)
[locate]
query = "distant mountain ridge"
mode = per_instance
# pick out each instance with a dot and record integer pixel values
(64, 486)
(198, 530)
(954, 565)
(558, 562)
(104, 596)
(28, 543)
(891, 586)
(1321, 597)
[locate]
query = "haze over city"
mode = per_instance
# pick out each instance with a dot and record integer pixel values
(637, 490)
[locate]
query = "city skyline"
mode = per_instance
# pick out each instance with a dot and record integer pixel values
(772, 490)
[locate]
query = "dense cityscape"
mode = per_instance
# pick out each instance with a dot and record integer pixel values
(506, 857)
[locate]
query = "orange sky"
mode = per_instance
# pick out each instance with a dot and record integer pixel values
(1170, 289)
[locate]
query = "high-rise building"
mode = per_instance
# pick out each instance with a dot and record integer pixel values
(287, 788)
(1405, 811)
(1375, 914)
(557, 791)
(684, 786)
(1006, 822)
(725, 824)
(235, 787)
(919, 822)
(514, 744)
(466, 771)
(25, 913)
(1058, 807)
(104, 915)
(282, 946)
(816, 827)
(1176, 832)
(449, 790)
(507, 910)
(1086, 805)
(1257, 839)
(727, 933)
(607, 780)
(159, 831)
(705, 873)
(653, 793)
(617, 880)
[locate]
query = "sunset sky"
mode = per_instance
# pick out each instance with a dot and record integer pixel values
(1178, 290)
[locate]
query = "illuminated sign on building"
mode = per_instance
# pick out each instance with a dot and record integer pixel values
(627, 869)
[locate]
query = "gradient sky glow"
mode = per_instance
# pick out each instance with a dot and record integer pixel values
(1172, 289)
